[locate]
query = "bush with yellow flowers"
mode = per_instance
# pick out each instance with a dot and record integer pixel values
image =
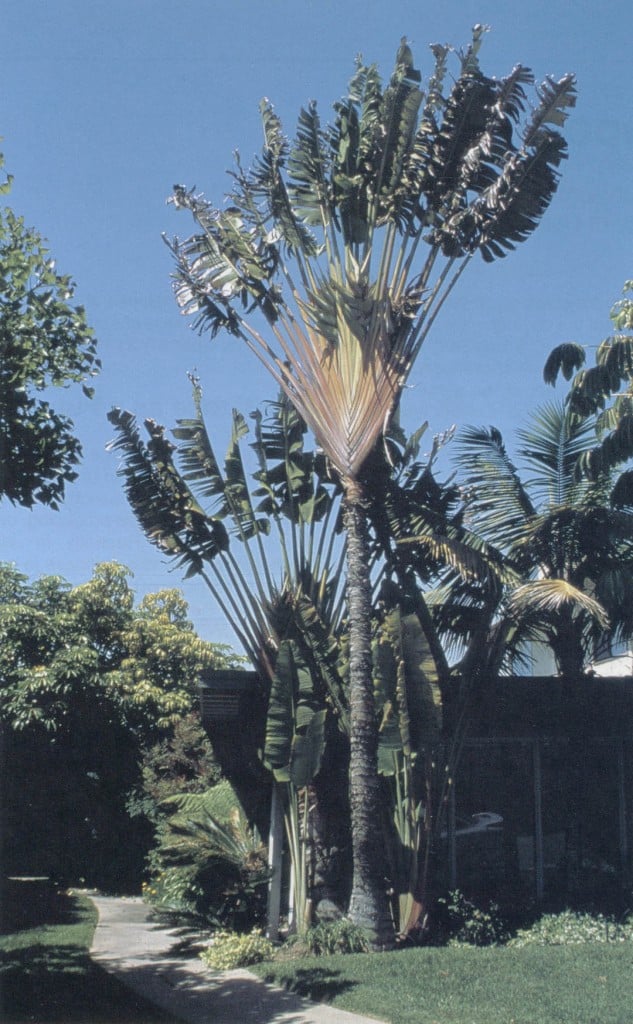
(228, 950)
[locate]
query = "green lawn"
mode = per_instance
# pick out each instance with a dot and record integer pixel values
(590, 984)
(46, 975)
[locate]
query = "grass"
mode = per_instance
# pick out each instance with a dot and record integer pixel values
(46, 974)
(591, 984)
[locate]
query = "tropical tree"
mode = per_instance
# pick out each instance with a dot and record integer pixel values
(567, 551)
(45, 342)
(202, 512)
(316, 263)
(604, 389)
(270, 553)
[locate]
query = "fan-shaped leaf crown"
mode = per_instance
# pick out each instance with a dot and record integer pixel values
(347, 240)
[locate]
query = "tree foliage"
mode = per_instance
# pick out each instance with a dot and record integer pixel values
(330, 259)
(60, 644)
(45, 343)
(88, 680)
(604, 390)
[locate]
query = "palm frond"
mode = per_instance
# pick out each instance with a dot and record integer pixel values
(552, 445)
(544, 597)
(466, 555)
(497, 503)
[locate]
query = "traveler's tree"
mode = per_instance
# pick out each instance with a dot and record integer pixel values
(331, 260)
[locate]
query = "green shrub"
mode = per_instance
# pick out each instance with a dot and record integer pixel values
(228, 950)
(471, 925)
(331, 937)
(209, 861)
(173, 889)
(570, 928)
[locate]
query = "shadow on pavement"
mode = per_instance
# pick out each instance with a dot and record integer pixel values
(208, 997)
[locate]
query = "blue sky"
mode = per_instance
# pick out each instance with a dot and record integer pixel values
(105, 105)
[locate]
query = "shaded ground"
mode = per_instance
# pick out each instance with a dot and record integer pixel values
(46, 973)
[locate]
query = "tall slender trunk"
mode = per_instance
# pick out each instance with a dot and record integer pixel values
(369, 904)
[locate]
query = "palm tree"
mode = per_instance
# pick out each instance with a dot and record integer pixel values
(316, 263)
(567, 551)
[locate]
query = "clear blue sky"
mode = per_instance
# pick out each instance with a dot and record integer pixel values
(105, 104)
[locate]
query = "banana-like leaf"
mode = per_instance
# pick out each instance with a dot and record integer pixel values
(307, 751)
(293, 742)
(309, 170)
(197, 458)
(288, 478)
(166, 509)
(457, 172)
(247, 522)
(267, 182)
(406, 690)
(325, 654)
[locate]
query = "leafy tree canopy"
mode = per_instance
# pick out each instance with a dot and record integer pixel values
(45, 342)
(63, 647)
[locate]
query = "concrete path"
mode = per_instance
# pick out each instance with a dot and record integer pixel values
(162, 965)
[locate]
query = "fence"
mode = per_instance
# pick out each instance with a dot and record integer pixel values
(541, 808)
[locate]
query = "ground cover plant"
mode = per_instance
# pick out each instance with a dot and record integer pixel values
(586, 984)
(46, 973)
(229, 950)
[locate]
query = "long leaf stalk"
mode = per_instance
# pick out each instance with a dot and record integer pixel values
(245, 616)
(297, 834)
(275, 515)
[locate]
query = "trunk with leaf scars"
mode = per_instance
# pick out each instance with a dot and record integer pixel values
(369, 904)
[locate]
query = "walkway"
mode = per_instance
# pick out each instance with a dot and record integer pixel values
(162, 966)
